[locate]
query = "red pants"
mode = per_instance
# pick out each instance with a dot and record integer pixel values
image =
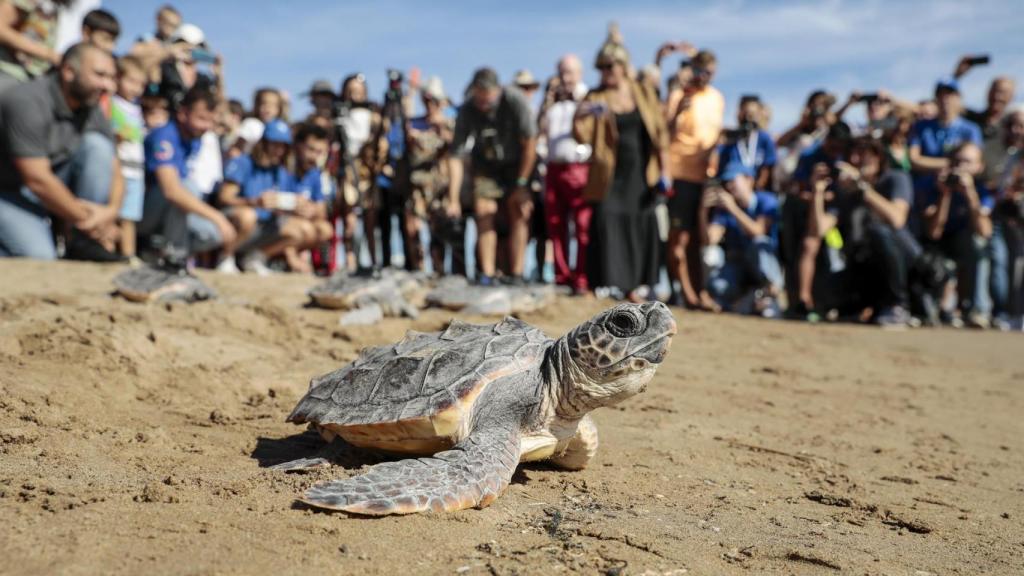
(563, 198)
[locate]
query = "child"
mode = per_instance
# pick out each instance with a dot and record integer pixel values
(126, 121)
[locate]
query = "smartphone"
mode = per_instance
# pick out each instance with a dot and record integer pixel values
(203, 56)
(285, 201)
(979, 60)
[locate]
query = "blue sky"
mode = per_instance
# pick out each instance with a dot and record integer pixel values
(781, 50)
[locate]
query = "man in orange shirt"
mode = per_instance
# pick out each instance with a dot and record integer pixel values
(695, 114)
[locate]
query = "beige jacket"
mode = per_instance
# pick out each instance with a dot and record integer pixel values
(602, 134)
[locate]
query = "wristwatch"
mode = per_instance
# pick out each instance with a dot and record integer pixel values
(522, 182)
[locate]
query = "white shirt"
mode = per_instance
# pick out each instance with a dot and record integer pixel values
(206, 167)
(562, 147)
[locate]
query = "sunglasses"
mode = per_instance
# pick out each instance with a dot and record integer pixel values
(605, 66)
(701, 71)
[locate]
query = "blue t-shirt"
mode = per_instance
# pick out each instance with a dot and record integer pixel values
(164, 146)
(809, 159)
(959, 211)
(254, 180)
(310, 186)
(749, 159)
(735, 240)
(936, 140)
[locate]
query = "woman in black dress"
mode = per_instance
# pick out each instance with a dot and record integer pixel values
(622, 120)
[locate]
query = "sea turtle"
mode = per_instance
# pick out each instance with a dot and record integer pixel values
(472, 402)
(369, 295)
(456, 293)
(161, 283)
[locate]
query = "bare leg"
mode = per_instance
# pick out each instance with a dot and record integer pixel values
(487, 237)
(519, 211)
(127, 237)
(806, 266)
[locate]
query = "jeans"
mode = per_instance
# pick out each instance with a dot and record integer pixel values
(754, 267)
(24, 221)
(994, 273)
(180, 234)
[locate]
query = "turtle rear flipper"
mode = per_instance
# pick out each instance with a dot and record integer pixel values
(473, 473)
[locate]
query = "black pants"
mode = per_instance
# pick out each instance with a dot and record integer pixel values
(878, 269)
(794, 228)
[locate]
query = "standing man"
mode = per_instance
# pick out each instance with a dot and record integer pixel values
(567, 173)
(696, 112)
(932, 141)
(57, 156)
(504, 135)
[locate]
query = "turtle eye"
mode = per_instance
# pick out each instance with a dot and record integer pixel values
(624, 324)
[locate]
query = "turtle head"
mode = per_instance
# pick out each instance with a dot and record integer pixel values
(618, 351)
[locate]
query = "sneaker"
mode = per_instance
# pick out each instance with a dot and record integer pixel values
(485, 280)
(255, 264)
(513, 281)
(79, 246)
(228, 266)
(1001, 322)
(977, 320)
(892, 317)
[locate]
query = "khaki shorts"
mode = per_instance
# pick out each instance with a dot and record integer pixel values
(487, 188)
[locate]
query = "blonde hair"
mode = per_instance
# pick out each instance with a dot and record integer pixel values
(613, 48)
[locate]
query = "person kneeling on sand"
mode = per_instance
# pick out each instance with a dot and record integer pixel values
(257, 196)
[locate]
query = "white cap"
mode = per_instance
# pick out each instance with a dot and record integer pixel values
(189, 33)
(250, 130)
(435, 89)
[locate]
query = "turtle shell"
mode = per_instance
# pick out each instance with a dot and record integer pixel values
(414, 396)
(151, 283)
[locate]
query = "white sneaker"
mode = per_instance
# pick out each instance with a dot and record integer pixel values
(256, 265)
(228, 266)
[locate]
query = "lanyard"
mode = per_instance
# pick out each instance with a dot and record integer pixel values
(748, 149)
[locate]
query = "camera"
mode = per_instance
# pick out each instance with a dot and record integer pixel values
(952, 180)
(491, 149)
(395, 79)
(869, 97)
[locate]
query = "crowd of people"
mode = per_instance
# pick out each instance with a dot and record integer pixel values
(913, 217)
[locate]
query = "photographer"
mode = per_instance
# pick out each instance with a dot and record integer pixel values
(872, 204)
(695, 116)
(567, 169)
(1007, 214)
(744, 274)
(807, 133)
(504, 134)
(748, 147)
(801, 241)
(931, 141)
(959, 227)
(357, 120)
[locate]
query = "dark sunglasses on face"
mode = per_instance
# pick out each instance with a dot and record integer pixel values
(605, 66)
(703, 72)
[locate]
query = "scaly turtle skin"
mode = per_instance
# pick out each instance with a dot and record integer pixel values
(161, 284)
(475, 400)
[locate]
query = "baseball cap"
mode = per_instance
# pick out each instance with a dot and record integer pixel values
(320, 87)
(434, 89)
(485, 78)
(189, 33)
(277, 131)
(947, 83)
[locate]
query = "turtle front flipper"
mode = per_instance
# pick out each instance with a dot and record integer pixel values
(473, 473)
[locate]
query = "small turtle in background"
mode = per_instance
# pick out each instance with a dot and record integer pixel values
(472, 402)
(457, 294)
(161, 283)
(370, 296)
